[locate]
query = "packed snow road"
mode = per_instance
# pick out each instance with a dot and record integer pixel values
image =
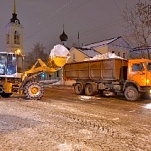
(64, 121)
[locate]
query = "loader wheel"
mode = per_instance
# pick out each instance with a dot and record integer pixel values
(78, 89)
(89, 90)
(34, 90)
(6, 95)
(131, 93)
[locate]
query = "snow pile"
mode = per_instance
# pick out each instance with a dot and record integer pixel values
(59, 51)
(73, 146)
(65, 147)
(104, 56)
(147, 106)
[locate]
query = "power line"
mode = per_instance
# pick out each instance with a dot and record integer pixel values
(119, 8)
(54, 13)
(96, 29)
(81, 4)
(85, 33)
(57, 11)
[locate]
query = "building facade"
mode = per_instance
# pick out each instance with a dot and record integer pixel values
(115, 45)
(81, 54)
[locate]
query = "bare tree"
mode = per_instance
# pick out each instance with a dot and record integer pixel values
(37, 52)
(138, 25)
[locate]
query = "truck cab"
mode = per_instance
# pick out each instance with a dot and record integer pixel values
(138, 79)
(140, 71)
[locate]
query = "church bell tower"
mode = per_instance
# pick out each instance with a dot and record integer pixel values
(14, 33)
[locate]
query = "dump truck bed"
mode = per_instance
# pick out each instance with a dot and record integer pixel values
(106, 69)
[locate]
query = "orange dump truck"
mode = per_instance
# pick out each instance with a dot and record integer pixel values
(111, 76)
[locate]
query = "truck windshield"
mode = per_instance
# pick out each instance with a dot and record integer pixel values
(148, 65)
(137, 67)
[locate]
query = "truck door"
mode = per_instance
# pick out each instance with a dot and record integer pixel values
(148, 77)
(137, 73)
(11, 64)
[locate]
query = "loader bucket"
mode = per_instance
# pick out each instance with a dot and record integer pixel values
(59, 55)
(60, 61)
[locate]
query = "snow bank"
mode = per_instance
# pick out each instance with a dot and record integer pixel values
(103, 56)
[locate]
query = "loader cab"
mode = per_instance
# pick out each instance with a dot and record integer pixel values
(139, 70)
(11, 65)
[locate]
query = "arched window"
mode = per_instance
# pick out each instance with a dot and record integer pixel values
(16, 38)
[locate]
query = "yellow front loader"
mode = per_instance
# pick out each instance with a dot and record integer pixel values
(12, 80)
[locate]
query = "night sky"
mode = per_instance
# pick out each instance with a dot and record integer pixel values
(43, 20)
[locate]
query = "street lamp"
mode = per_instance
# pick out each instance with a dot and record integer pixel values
(18, 52)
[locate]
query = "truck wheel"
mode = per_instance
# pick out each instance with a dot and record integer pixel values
(78, 89)
(131, 93)
(6, 95)
(34, 90)
(89, 90)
